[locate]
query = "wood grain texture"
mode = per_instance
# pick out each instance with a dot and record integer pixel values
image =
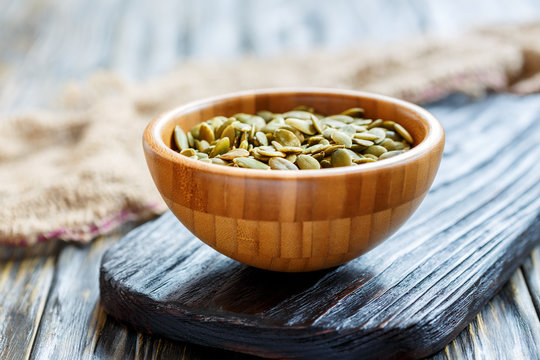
(141, 39)
(26, 276)
(236, 210)
(407, 297)
(482, 339)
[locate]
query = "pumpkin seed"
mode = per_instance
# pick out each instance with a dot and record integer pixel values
(218, 161)
(206, 133)
(326, 164)
(234, 153)
(342, 139)
(291, 149)
(354, 112)
(375, 123)
(202, 145)
(390, 154)
(388, 144)
(261, 138)
(306, 162)
(278, 163)
(387, 124)
(180, 138)
(191, 140)
(222, 146)
(341, 157)
(286, 138)
(250, 163)
(366, 136)
(363, 142)
(297, 139)
(317, 124)
(381, 134)
(270, 153)
(299, 114)
(291, 158)
(188, 152)
(376, 150)
(304, 108)
(302, 125)
(404, 133)
(229, 133)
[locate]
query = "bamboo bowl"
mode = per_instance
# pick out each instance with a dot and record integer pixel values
(294, 221)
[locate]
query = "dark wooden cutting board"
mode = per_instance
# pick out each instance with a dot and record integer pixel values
(406, 298)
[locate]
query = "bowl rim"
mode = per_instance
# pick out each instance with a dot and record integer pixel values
(152, 138)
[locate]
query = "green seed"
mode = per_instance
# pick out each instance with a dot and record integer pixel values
(270, 153)
(265, 114)
(300, 138)
(191, 140)
(306, 162)
(390, 154)
(317, 124)
(404, 133)
(333, 148)
(278, 163)
(348, 130)
(229, 133)
(188, 152)
(381, 134)
(240, 126)
(304, 115)
(376, 150)
(354, 112)
(250, 163)
(202, 145)
(375, 123)
(366, 136)
(304, 126)
(364, 160)
(180, 138)
(261, 138)
(326, 164)
(363, 142)
(342, 139)
(388, 144)
(234, 153)
(218, 161)
(388, 125)
(206, 133)
(286, 138)
(291, 149)
(346, 119)
(222, 146)
(341, 157)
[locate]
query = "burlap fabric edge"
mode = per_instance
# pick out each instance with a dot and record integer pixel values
(79, 172)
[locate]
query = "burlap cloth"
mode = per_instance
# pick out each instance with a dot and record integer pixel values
(79, 172)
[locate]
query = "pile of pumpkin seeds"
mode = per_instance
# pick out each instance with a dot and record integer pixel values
(298, 139)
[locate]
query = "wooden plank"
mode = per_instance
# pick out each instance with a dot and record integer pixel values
(507, 328)
(139, 39)
(409, 296)
(531, 272)
(26, 276)
(73, 320)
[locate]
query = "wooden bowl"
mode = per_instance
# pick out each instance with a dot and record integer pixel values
(294, 220)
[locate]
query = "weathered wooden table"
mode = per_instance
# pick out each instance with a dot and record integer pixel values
(49, 298)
